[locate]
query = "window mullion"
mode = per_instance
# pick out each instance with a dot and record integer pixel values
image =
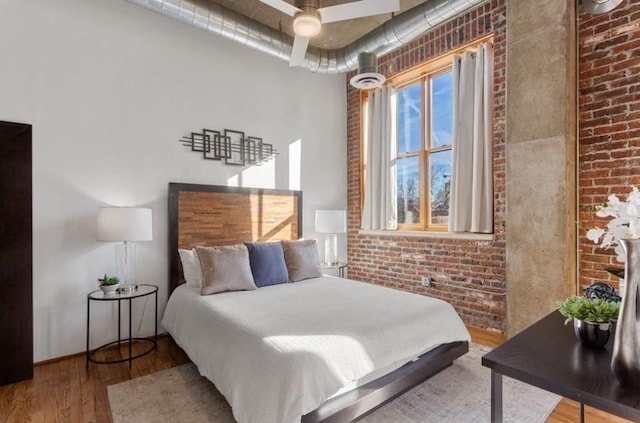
(441, 148)
(407, 154)
(425, 211)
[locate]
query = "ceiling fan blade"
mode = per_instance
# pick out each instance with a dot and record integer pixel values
(358, 9)
(299, 50)
(282, 6)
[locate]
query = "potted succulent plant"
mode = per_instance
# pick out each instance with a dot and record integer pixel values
(592, 318)
(109, 284)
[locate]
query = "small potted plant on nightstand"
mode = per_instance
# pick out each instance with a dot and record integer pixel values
(109, 284)
(592, 318)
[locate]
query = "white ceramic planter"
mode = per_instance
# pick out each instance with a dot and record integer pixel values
(109, 289)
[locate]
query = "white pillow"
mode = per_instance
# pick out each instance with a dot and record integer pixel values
(191, 268)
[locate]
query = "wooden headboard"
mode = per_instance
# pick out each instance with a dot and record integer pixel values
(210, 215)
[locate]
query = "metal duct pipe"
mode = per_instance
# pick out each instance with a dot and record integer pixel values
(367, 77)
(367, 62)
(394, 33)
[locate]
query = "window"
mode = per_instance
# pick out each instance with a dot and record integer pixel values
(420, 115)
(424, 135)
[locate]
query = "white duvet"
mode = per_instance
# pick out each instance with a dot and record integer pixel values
(278, 352)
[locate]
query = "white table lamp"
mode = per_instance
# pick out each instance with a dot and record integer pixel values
(331, 223)
(125, 224)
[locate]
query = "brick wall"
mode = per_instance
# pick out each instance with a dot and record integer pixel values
(468, 274)
(609, 149)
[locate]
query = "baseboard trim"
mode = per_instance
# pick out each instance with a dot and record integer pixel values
(81, 353)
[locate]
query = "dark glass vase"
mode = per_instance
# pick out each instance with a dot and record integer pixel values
(592, 335)
(625, 361)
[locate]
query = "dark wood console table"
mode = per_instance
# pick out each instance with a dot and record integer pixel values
(548, 355)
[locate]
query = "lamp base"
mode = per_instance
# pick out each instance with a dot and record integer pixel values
(330, 250)
(125, 262)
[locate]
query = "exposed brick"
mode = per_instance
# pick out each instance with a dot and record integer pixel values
(609, 141)
(458, 266)
(609, 123)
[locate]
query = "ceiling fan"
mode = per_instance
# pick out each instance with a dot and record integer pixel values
(308, 18)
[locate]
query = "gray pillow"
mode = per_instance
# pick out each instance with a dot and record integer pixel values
(225, 269)
(303, 261)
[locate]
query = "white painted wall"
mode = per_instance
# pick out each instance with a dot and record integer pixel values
(109, 88)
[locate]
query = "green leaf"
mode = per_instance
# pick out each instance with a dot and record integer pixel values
(109, 280)
(591, 310)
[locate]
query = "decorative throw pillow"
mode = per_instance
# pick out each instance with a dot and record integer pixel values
(191, 268)
(267, 263)
(225, 269)
(303, 261)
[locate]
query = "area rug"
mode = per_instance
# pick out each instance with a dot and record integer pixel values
(459, 394)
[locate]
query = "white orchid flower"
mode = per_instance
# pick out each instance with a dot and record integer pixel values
(607, 212)
(614, 201)
(620, 232)
(624, 223)
(595, 234)
(634, 197)
(631, 210)
(607, 240)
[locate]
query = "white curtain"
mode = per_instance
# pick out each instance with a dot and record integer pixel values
(380, 193)
(471, 196)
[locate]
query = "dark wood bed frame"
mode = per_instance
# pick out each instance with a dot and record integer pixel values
(220, 215)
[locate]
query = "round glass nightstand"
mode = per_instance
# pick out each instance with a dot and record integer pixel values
(142, 290)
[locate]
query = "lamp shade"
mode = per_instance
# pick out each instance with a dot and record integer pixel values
(331, 221)
(124, 224)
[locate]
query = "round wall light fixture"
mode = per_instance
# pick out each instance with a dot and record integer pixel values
(596, 7)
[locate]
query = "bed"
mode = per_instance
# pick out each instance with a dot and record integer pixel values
(324, 349)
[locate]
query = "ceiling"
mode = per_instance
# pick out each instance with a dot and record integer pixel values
(333, 35)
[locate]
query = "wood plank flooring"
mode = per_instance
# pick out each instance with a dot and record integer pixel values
(65, 392)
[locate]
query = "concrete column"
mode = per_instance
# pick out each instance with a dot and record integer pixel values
(541, 158)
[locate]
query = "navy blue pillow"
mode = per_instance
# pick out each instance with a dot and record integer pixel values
(267, 263)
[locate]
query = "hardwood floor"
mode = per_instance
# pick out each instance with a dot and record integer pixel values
(569, 411)
(64, 391)
(485, 337)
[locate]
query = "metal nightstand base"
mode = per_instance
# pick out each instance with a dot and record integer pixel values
(153, 342)
(144, 290)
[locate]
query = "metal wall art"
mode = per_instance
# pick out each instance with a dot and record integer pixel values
(231, 146)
